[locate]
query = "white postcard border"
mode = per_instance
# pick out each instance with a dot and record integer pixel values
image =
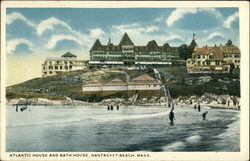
(244, 47)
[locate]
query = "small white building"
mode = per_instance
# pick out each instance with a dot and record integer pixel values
(138, 84)
(65, 63)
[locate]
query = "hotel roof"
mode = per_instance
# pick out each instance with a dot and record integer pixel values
(126, 40)
(151, 46)
(68, 54)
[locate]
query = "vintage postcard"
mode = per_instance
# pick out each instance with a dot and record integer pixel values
(124, 80)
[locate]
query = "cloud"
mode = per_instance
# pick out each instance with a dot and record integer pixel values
(10, 18)
(126, 26)
(228, 22)
(149, 29)
(49, 24)
(179, 13)
(68, 34)
(56, 38)
(159, 19)
(211, 11)
(174, 38)
(136, 26)
(97, 32)
(213, 35)
(12, 44)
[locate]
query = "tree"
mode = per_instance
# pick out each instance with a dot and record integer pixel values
(229, 42)
(185, 51)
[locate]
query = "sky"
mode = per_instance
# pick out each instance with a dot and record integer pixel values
(32, 34)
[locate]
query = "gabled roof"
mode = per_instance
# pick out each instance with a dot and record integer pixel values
(166, 45)
(144, 77)
(116, 80)
(68, 54)
(216, 50)
(126, 40)
(152, 46)
(193, 44)
(230, 49)
(96, 45)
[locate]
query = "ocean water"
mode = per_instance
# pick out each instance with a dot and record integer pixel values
(132, 128)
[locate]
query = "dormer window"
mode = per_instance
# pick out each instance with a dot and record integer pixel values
(211, 56)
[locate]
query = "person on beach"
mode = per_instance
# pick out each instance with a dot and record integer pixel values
(204, 115)
(238, 104)
(171, 116)
(117, 107)
(195, 106)
(111, 107)
(108, 107)
(199, 107)
(16, 108)
(234, 101)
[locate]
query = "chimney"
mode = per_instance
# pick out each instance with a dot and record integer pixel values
(215, 45)
(221, 47)
(109, 43)
(206, 46)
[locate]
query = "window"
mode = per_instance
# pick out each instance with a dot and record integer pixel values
(50, 67)
(211, 56)
(198, 62)
(56, 67)
(198, 56)
(50, 72)
(43, 68)
(236, 55)
(70, 67)
(217, 62)
(60, 67)
(203, 63)
(57, 62)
